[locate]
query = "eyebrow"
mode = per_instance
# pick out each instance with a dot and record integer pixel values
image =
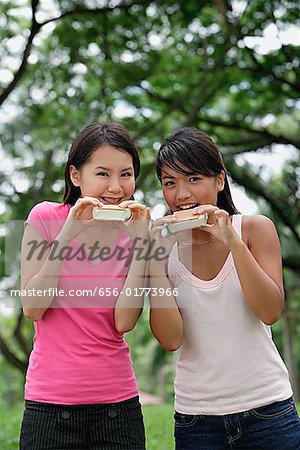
(173, 178)
(109, 170)
(167, 176)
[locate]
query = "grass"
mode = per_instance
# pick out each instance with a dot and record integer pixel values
(10, 420)
(159, 426)
(158, 422)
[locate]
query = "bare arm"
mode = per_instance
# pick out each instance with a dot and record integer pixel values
(129, 308)
(257, 261)
(165, 318)
(38, 271)
(259, 269)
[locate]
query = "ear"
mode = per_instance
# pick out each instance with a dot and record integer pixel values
(221, 181)
(74, 175)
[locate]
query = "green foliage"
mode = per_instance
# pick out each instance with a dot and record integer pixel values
(12, 381)
(159, 427)
(10, 425)
(153, 366)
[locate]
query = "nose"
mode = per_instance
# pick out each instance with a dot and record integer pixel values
(183, 192)
(114, 186)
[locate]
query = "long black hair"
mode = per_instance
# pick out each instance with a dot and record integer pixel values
(190, 151)
(90, 139)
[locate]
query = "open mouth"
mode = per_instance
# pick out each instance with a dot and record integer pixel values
(187, 206)
(111, 200)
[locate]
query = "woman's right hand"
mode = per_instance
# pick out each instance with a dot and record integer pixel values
(156, 234)
(76, 221)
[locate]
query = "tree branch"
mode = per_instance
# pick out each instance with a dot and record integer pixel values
(292, 314)
(19, 336)
(11, 357)
(201, 97)
(265, 71)
(81, 10)
(292, 262)
(224, 8)
(152, 125)
(245, 145)
(35, 27)
(244, 178)
(38, 193)
(262, 132)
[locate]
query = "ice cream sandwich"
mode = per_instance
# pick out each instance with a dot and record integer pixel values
(111, 212)
(186, 221)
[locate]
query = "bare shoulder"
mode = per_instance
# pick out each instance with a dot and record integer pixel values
(252, 223)
(258, 227)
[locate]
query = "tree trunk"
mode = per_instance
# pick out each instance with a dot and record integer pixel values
(288, 354)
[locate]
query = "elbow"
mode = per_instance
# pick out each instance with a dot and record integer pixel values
(123, 327)
(171, 342)
(123, 330)
(124, 323)
(270, 319)
(33, 314)
(271, 314)
(170, 346)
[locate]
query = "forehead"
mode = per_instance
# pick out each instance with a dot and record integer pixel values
(168, 172)
(109, 155)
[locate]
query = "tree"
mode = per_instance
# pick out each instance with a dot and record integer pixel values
(157, 66)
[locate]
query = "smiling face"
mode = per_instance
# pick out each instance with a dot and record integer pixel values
(107, 175)
(188, 191)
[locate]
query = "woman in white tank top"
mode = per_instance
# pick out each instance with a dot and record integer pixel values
(232, 389)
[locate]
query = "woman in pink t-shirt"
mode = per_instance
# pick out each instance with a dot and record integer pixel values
(77, 276)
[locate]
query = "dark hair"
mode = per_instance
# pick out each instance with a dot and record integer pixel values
(189, 151)
(90, 139)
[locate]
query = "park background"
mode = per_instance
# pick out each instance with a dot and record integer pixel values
(228, 67)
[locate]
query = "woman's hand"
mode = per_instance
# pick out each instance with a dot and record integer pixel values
(81, 206)
(156, 234)
(218, 224)
(76, 221)
(138, 224)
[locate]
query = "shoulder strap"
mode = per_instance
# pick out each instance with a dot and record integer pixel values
(237, 223)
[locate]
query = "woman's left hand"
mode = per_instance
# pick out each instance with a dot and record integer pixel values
(218, 223)
(138, 224)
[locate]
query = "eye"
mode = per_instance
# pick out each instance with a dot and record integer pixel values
(126, 174)
(102, 174)
(196, 178)
(168, 183)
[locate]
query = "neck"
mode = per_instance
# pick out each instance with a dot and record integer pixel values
(200, 236)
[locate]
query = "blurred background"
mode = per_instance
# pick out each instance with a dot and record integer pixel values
(228, 67)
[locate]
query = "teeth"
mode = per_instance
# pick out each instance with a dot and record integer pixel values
(188, 206)
(111, 200)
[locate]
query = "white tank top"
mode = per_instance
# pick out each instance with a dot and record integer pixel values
(228, 362)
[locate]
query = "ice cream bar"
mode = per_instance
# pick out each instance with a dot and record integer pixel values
(111, 212)
(186, 221)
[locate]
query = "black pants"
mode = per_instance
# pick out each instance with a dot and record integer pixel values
(116, 426)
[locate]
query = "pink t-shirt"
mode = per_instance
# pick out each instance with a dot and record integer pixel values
(78, 356)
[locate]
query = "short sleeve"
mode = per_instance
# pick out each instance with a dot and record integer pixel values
(39, 219)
